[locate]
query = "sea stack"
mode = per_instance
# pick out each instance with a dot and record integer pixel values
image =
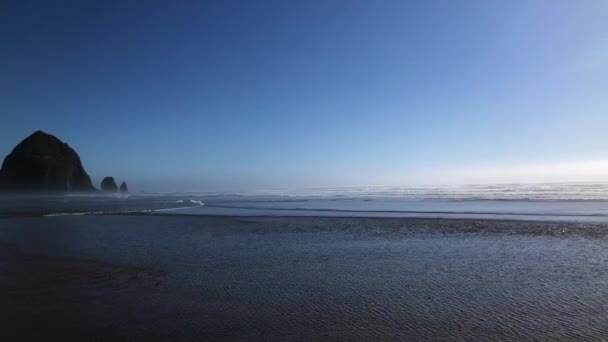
(109, 185)
(123, 188)
(43, 163)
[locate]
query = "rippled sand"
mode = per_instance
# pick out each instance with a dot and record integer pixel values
(142, 278)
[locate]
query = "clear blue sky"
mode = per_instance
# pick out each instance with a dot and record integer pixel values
(196, 95)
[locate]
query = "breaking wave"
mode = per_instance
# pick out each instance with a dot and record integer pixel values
(120, 211)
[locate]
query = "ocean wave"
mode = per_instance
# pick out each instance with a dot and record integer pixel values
(107, 212)
(432, 212)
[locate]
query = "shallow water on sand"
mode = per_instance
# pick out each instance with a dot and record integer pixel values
(196, 278)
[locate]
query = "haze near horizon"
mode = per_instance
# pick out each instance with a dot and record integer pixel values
(271, 94)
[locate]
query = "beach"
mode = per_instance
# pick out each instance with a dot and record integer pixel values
(304, 171)
(190, 278)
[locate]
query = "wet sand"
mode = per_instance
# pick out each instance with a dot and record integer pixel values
(388, 226)
(56, 298)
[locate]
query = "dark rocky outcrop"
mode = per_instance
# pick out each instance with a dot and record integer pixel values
(123, 188)
(43, 163)
(109, 185)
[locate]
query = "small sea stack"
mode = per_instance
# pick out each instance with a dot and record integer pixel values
(123, 188)
(109, 185)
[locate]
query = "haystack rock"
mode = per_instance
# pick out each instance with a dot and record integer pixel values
(123, 188)
(43, 163)
(109, 185)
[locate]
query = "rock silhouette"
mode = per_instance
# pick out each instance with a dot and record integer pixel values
(109, 185)
(123, 188)
(43, 163)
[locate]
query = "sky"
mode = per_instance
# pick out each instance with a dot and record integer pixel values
(229, 95)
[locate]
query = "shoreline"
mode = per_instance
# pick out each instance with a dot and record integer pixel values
(375, 225)
(167, 213)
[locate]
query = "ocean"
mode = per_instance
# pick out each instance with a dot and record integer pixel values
(474, 263)
(583, 202)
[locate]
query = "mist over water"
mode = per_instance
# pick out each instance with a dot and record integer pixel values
(513, 191)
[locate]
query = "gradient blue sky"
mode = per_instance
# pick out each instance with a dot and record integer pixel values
(211, 95)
